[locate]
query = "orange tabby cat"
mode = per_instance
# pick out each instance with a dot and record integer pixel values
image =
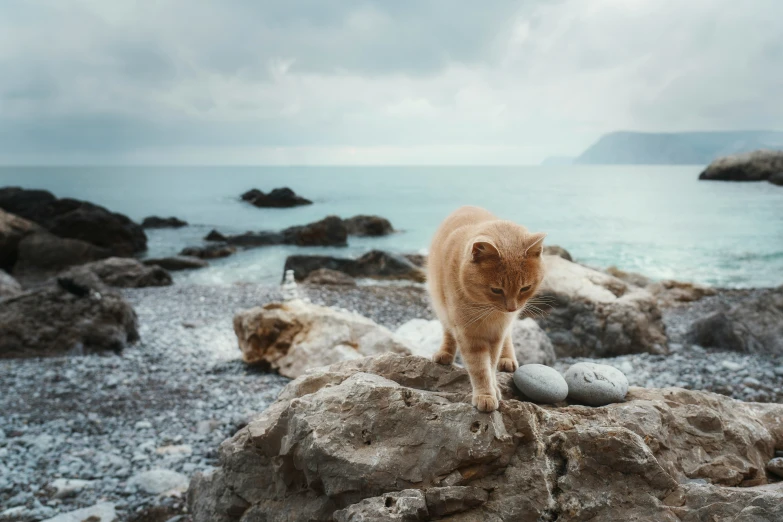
(481, 271)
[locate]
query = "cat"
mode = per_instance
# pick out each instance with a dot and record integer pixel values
(481, 271)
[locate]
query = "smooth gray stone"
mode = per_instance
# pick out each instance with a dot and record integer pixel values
(541, 383)
(595, 384)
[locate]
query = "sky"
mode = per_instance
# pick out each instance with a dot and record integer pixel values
(374, 82)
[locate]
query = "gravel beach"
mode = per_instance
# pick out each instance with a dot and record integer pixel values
(167, 402)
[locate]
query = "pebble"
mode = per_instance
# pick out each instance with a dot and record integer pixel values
(68, 487)
(732, 366)
(596, 384)
(775, 466)
(541, 383)
(157, 481)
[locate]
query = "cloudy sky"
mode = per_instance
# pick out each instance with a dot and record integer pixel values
(374, 82)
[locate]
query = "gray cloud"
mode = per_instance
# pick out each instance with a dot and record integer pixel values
(436, 81)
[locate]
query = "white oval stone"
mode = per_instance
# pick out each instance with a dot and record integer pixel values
(541, 383)
(595, 384)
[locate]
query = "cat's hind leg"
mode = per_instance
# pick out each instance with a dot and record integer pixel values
(447, 349)
(508, 357)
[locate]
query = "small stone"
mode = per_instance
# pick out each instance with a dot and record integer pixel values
(64, 488)
(157, 481)
(143, 425)
(541, 383)
(750, 381)
(177, 450)
(779, 371)
(207, 426)
(595, 384)
(103, 512)
(732, 366)
(775, 466)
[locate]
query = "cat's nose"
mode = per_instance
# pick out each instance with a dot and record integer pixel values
(511, 308)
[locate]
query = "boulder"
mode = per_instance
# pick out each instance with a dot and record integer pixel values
(776, 178)
(42, 254)
(161, 222)
(255, 239)
(278, 198)
(72, 314)
(364, 225)
(330, 231)
(12, 230)
(295, 336)
(396, 438)
(124, 272)
(555, 250)
(214, 235)
(758, 165)
(375, 264)
(9, 287)
(175, 263)
(593, 314)
(214, 251)
(75, 219)
(673, 293)
(419, 260)
(753, 324)
(324, 276)
(531, 343)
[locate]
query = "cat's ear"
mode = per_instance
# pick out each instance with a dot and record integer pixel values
(483, 248)
(535, 244)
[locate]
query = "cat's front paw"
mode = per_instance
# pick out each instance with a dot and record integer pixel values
(442, 357)
(506, 364)
(485, 402)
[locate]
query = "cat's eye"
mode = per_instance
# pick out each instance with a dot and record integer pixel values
(497, 291)
(525, 289)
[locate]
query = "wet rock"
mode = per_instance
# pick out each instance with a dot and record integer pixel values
(324, 276)
(776, 178)
(374, 264)
(157, 481)
(758, 165)
(9, 287)
(402, 428)
(593, 314)
(595, 384)
(75, 219)
(277, 198)
(208, 252)
(363, 225)
(330, 231)
(540, 383)
(43, 254)
(555, 250)
(159, 222)
(255, 239)
(124, 272)
(175, 263)
(70, 315)
(103, 512)
(12, 230)
(214, 235)
(417, 259)
(295, 336)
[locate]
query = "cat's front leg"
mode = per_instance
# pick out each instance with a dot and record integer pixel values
(508, 357)
(480, 360)
(447, 350)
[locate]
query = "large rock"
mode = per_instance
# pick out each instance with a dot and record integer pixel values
(76, 219)
(555, 250)
(330, 231)
(42, 254)
(174, 263)
(295, 336)
(124, 272)
(70, 315)
(255, 239)
(9, 287)
(758, 165)
(213, 251)
(668, 292)
(531, 343)
(277, 198)
(324, 276)
(161, 222)
(375, 264)
(396, 438)
(12, 230)
(594, 314)
(754, 324)
(364, 225)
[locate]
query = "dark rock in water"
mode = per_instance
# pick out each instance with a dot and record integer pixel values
(9, 287)
(72, 315)
(368, 226)
(759, 165)
(554, 250)
(214, 235)
(375, 264)
(324, 276)
(330, 231)
(209, 251)
(417, 259)
(125, 272)
(174, 263)
(754, 324)
(42, 254)
(397, 438)
(255, 239)
(278, 198)
(75, 219)
(159, 222)
(12, 230)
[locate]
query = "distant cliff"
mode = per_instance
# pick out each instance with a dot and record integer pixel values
(679, 148)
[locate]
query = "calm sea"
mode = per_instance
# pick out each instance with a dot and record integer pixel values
(659, 221)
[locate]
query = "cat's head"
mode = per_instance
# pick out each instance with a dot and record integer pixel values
(502, 266)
